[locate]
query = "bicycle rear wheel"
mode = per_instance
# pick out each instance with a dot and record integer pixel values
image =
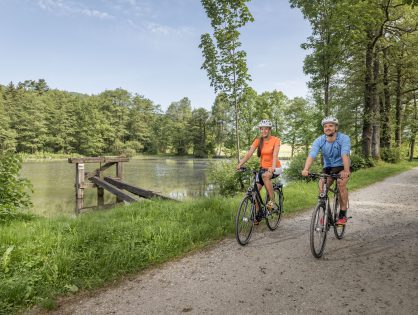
(244, 221)
(339, 230)
(273, 219)
(318, 231)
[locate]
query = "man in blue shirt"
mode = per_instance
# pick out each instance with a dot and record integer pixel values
(335, 148)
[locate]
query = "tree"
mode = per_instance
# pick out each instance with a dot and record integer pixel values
(327, 45)
(7, 135)
(225, 64)
(300, 128)
(199, 132)
(221, 121)
(179, 115)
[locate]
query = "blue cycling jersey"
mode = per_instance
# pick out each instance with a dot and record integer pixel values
(331, 151)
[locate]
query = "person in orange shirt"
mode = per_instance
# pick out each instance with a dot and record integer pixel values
(267, 147)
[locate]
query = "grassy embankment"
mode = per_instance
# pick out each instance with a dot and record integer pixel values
(45, 258)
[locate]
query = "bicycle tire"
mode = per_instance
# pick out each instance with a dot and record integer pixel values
(318, 231)
(339, 230)
(273, 219)
(244, 221)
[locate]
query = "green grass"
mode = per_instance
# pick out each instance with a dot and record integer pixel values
(43, 259)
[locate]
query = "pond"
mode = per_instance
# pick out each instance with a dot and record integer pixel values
(54, 192)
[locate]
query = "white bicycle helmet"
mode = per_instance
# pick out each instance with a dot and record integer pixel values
(329, 120)
(265, 123)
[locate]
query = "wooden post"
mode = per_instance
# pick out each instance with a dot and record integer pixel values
(100, 190)
(119, 170)
(79, 181)
(119, 174)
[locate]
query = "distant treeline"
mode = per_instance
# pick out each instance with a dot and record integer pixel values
(35, 118)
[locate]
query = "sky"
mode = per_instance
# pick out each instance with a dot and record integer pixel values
(148, 47)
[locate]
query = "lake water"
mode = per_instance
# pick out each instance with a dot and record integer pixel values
(54, 192)
(178, 178)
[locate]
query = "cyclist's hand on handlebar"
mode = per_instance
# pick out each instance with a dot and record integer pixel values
(241, 168)
(305, 173)
(344, 174)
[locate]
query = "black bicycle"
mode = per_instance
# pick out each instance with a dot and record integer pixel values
(325, 215)
(252, 208)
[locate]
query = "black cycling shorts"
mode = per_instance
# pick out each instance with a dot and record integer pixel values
(333, 170)
(259, 178)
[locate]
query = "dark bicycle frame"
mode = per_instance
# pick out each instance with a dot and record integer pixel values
(323, 196)
(254, 193)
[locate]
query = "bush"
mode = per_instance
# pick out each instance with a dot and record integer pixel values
(391, 155)
(228, 181)
(296, 165)
(14, 191)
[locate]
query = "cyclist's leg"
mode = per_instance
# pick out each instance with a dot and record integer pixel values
(342, 187)
(266, 176)
(327, 171)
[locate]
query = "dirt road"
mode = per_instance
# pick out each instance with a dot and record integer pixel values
(373, 270)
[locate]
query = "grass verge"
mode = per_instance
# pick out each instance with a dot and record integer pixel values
(42, 259)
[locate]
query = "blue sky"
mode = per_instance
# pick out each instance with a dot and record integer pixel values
(149, 47)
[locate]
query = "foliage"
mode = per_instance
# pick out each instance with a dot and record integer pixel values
(14, 191)
(296, 165)
(359, 162)
(391, 155)
(226, 178)
(224, 63)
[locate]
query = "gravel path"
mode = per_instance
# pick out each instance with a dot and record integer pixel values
(373, 270)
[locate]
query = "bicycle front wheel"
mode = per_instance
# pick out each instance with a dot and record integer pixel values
(244, 221)
(339, 230)
(273, 219)
(318, 231)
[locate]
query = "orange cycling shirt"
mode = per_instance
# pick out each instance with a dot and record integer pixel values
(266, 158)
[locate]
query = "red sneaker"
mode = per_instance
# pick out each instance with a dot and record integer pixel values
(342, 221)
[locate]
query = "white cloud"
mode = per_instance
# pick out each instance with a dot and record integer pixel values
(71, 8)
(167, 30)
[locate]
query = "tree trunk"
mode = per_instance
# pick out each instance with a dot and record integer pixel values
(375, 110)
(368, 100)
(326, 97)
(386, 108)
(414, 128)
(398, 116)
(236, 125)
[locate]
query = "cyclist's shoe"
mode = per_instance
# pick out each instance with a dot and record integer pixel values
(270, 205)
(342, 221)
(258, 218)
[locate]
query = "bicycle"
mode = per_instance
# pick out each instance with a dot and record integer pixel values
(323, 217)
(252, 207)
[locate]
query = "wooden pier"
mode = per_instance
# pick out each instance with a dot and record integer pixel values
(96, 179)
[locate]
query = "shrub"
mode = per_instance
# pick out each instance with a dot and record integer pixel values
(296, 165)
(391, 155)
(227, 180)
(14, 191)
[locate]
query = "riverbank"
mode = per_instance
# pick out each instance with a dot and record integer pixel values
(43, 259)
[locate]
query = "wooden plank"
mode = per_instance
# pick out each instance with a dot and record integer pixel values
(86, 160)
(135, 190)
(119, 193)
(99, 159)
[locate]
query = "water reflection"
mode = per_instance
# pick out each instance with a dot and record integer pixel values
(54, 191)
